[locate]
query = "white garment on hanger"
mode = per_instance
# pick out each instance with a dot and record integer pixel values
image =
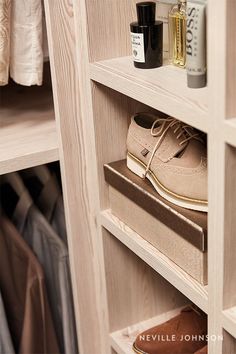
(5, 10)
(26, 58)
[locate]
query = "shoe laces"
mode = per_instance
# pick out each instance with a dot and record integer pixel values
(184, 132)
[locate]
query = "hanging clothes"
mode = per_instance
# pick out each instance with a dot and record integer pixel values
(52, 253)
(24, 294)
(5, 11)
(26, 57)
(6, 345)
(46, 193)
(52, 207)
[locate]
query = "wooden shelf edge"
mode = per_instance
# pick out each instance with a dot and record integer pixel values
(28, 134)
(230, 131)
(122, 340)
(229, 321)
(193, 290)
(160, 98)
(30, 160)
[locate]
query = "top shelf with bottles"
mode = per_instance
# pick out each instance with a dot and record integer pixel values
(164, 88)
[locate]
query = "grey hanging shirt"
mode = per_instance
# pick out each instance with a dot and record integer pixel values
(52, 253)
(51, 205)
(6, 346)
(47, 196)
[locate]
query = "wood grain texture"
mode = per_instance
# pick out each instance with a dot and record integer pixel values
(229, 344)
(66, 22)
(229, 321)
(216, 163)
(229, 298)
(112, 113)
(122, 340)
(230, 49)
(111, 120)
(155, 259)
(28, 134)
(109, 32)
(135, 291)
(78, 115)
(164, 89)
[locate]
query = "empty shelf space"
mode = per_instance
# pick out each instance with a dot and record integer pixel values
(230, 131)
(193, 290)
(122, 340)
(164, 89)
(27, 128)
(229, 321)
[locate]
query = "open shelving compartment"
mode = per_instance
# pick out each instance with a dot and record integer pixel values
(130, 296)
(138, 297)
(144, 287)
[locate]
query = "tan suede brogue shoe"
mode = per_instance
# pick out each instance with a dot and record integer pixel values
(172, 156)
(183, 334)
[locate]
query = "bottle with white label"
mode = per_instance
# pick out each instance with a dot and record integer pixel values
(147, 37)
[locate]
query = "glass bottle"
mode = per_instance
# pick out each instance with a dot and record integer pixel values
(147, 37)
(177, 33)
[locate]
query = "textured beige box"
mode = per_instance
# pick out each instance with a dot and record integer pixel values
(178, 233)
(180, 251)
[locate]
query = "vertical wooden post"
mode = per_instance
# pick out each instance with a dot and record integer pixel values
(72, 99)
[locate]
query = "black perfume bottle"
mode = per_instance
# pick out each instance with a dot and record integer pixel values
(147, 37)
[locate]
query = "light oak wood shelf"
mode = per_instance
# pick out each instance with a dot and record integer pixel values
(122, 340)
(164, 89)
(27, 129)
(98, 88)
(192, 289)
(230, 131)
(229, 321)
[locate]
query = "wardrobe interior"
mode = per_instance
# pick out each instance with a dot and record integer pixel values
(32, 209)
(125, 278)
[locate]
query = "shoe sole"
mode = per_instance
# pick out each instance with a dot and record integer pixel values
(138, 167)
(137, 350)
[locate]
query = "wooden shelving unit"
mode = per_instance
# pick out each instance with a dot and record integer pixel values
(118, 279)
(111, 90)
(27, 128)
(155, 88)
(196, 292)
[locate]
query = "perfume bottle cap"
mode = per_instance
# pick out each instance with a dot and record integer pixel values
(146, 12)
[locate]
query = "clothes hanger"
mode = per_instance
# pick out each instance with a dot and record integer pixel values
(14, 180)
(13, 191)
(35, 179)
(41, 172)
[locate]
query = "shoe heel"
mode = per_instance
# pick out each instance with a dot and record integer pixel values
(135, 167)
